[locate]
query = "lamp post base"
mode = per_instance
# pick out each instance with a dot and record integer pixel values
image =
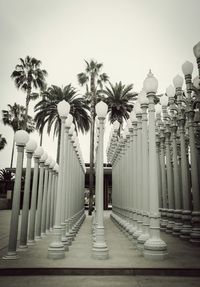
(100, 249)
(186, 227)
(22, 248)
(155, 248)
(11, 255)
(31, 242)
(56, 249)
(195, 234)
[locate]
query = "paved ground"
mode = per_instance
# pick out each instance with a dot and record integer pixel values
(122, 254)
(99, 281)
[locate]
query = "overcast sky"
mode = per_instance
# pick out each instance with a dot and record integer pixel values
(128, 36)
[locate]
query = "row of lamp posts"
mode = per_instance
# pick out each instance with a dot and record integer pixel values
(155, 167)
(57, 193)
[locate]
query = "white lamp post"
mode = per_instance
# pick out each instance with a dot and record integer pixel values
(56, 249)
(139, 194)
(142, 97)
(21, 138)
(51, 166)
(67, 164)
(185, 184)
(187, 70)
(40, 196)
(176, 179)
(154, 247)
(196, 50)
(31, 234)
(45, 194)
(30, 148)
(100, 249)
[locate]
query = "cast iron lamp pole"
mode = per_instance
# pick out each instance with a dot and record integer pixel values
(100, 249)
(21, 138)
(30, 148)
(154, 248)
(142, 97)
(31, 231)
(56, 249)
(40, 197)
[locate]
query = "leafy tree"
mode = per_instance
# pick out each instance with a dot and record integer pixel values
(93, 80)
(3, 142)
(119, 98)
(15, 117)
(47, 114)
(28, 76)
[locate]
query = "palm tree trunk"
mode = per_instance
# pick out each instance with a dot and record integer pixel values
(41, 138)
(13, 149)
(27, 101)
(91, 174)
(58, 147)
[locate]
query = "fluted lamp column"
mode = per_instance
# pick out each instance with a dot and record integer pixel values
(176, 178)
(154, 248)
(187, 70)
(100, 249)
(164, 103)
(21, 138)
(56, 248)
(30, 148)
(40, 197)
(31, 228)
(145, 172)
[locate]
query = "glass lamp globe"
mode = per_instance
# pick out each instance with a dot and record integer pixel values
(52, 164)
(158, 109)
(170, 91)
(116, 125)
(133, 116)
(31, 145)
(178, 81)
(150, 84)
(57, 168)
(71, 130)
(39, 151)
(21, 137)
(48, 160)
(187, 68)
(68, 121)
(44, 156)
(196, 82)
(63, 108)
(164, 100)
(101, 109)
(142, 98)
(196, 50)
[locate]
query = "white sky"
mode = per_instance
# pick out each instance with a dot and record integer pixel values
(128, 36)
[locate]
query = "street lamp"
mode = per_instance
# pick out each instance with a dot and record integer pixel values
(100, 249)
(31, 234)
(154, 247)
(30, 148)
(187, 70)
(21, 138)
(56, 249)
(40, 196)
(196, 50)
(142, 98)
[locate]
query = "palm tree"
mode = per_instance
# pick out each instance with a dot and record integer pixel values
(28, 75)
(93, 81)
(119, 99)
(46, 111)
(15, 117)
(3, 142)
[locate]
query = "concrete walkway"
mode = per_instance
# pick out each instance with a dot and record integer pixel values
(122, 253)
